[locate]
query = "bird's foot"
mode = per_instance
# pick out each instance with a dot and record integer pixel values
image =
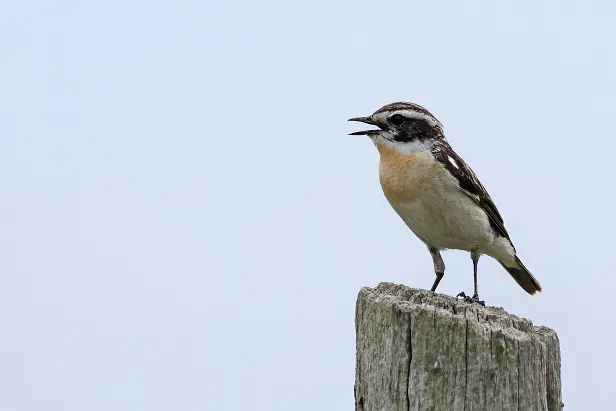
(473, 299)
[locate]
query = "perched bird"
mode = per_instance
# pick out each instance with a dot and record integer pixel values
(437, 194)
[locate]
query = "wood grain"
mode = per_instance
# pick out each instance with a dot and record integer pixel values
(417, 350)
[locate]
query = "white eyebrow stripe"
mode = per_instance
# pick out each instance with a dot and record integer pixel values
(383, 116)
(419, 116)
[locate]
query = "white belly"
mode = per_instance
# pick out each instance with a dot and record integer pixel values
(445, 217)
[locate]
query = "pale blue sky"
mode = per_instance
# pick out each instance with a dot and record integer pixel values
(185, 222)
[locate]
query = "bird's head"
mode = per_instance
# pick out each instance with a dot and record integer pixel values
(402, 124)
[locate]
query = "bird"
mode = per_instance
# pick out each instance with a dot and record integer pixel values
(437, 194)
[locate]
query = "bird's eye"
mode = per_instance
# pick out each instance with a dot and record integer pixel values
(397, 119)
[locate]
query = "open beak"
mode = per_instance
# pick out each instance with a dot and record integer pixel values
(366, 120)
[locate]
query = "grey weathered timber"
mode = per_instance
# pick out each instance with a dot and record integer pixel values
(417, 350)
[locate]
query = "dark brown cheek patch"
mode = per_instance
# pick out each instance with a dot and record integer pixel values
(420, 130)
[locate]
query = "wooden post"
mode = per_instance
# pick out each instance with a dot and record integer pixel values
(417, 350)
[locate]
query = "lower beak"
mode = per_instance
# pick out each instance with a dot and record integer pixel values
(366, 120)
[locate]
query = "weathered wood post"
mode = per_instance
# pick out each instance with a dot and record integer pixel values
(417, 350)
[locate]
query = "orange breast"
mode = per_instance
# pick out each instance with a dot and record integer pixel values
(405, 177)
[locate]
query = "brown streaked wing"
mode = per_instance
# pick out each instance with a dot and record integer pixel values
(470, 183)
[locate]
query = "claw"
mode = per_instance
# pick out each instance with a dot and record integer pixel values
(473, 299)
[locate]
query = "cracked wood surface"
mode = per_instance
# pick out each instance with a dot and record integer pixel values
(421, 351)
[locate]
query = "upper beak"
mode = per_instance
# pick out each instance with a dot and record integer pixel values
(366, 120)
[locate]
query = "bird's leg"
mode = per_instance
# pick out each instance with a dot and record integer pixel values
(439, 267)
(475, 257)
(475, 298)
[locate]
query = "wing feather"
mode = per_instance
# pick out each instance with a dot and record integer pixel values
(470, 184)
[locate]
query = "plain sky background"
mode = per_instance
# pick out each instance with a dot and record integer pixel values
(185, 223)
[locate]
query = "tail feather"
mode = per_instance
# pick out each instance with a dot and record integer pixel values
(523, 277)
